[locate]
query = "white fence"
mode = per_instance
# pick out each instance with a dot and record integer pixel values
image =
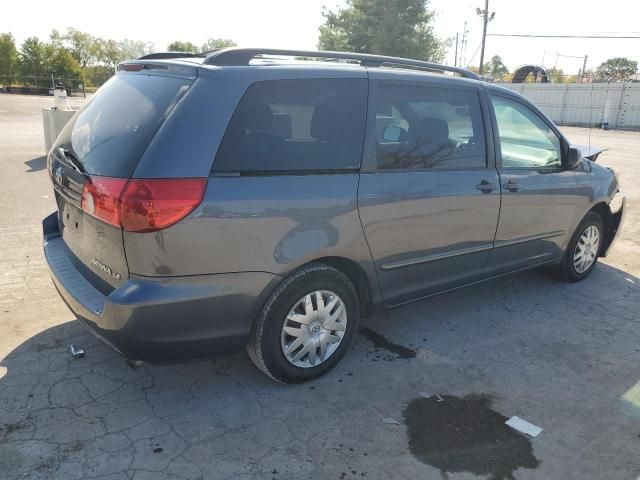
(585, 104)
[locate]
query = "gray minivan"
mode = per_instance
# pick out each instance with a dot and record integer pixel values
(249, 198)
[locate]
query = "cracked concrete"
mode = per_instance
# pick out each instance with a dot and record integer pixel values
(561, 356)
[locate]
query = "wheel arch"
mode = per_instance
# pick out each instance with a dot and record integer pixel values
(604, 212)
(356, 274)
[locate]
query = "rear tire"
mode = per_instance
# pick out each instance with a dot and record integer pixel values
(583, 250)
(306, 325)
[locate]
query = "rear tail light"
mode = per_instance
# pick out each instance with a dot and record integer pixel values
(148, 205)
(100, 198)
(141, 205)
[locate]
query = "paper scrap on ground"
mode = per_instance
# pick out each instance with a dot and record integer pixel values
(523, 426)
(425, 395)
(390, 421)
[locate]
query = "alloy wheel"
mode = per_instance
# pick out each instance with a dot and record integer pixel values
(313, 328)
(587, 248)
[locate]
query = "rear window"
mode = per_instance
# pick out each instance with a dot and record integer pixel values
(296, 125)
(109, 134)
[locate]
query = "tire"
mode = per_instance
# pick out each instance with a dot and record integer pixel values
(269, 339)
(566, 271)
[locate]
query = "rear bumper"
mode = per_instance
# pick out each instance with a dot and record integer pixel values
(161, 319)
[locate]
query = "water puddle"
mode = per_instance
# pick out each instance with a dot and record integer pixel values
(466, 435)
(387, 349)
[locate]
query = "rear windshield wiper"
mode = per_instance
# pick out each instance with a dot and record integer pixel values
(75, 163)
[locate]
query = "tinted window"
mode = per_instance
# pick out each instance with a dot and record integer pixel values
(109, 134)
(426, 127)
(296, 125)
(525, 140)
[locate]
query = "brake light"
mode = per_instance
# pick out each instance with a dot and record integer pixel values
(131, 67)
(100, 198)
(141, 205)
(148, 205)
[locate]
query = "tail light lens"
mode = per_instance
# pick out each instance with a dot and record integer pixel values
(100, 198)
(148, 205)
(141, 205)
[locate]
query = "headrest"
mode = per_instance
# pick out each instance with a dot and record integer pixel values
(258, 116)
(322, 122)
(430, 131)
(281, 126)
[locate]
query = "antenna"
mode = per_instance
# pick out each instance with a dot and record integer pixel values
(590, 114)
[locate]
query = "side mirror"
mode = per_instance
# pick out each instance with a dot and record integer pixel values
(392, 133)
(574, 157)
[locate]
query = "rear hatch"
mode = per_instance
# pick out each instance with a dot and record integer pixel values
(95, 156)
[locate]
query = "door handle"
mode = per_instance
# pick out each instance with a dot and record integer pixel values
(485, 186)
(511, 186)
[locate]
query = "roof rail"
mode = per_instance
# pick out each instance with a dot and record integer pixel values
(242, 56)
(164, 55)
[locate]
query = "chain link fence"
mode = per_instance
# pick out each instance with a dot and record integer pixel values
(41, 85)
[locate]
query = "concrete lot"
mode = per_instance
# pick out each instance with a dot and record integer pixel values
(564, 357)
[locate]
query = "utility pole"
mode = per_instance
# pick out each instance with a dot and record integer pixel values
(584, 67)
(463, 43)
(486, 18)
(455, 62)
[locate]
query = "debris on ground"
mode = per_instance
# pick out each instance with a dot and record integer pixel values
(76, 351)
(390, 421)
(523, 426)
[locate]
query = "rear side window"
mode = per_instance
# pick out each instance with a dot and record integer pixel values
(428, 128)
(110, 134)
(296, 125)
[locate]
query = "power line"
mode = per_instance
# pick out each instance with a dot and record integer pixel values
(561, 55)
(527, 35)
(474, 54)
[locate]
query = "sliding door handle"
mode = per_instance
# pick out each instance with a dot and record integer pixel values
(486, 187)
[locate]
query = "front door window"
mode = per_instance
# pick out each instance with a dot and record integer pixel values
(525, 140)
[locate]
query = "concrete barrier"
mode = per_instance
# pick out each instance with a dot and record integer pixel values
(53, 121)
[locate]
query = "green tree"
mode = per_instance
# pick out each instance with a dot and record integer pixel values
(110, 54)
(557, 75)
(43, 59)
(616, 69)
(179, 46)
(135, 49)
(61, 62)
(81, 45)
(32, 57)
(401, 28)
(496, 67)
(56, 38)
(8, 56)
(215, 43)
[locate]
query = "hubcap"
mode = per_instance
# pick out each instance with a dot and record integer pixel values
(313, 329)
(587, 248)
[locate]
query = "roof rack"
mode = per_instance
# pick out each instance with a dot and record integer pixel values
(165, 55)
(242, 56)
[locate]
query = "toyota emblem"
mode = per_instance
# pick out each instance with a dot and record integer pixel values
(58, 175)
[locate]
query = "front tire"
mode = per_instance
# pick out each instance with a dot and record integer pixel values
(583, 250)
(306, 325)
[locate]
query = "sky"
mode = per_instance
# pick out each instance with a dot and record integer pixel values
(294, 24)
